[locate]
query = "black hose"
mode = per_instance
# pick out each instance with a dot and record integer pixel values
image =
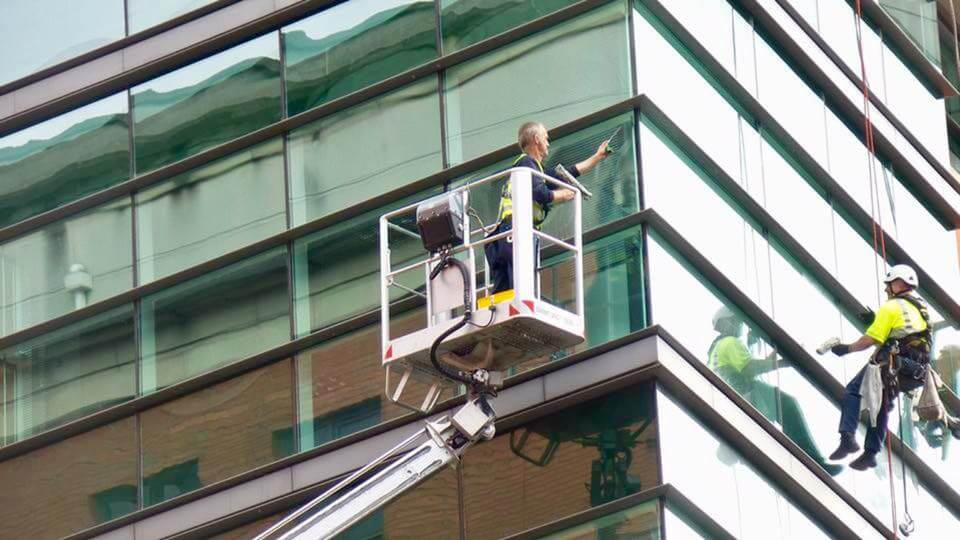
(444, 369)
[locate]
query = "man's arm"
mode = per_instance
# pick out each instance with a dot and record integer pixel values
(563, 194)
(584, 166)
(865, 342)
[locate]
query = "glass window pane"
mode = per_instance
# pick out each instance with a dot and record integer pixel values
(723, 483)
(208, 212)
(67, 374)
(641, 522)
(207, 103)
(485, 103)
(336, 271)
(341, 385)
(613, 181)
(143, 14)
(219, 432)
(430, 510)
(677, 87)
(215, 319)
(356, 154)
(47, 34)
(687, 198)
(353, 45)
(63, 159)
(71, 485)
(66, 265)
(612, 286)
(465, 22)
(549, 468)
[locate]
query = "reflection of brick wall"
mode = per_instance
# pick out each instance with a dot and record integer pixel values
(227, 428)
(429, 511)
(48, 493)
(347, 371)
(504, 494)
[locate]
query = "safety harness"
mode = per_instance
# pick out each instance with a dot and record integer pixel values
(907, 356)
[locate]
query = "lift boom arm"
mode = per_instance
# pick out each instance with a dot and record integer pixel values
(440, 443)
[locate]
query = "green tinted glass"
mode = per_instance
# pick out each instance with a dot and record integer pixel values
(41, 39)
(142, 14)
(613, 181)
(67, 374)
(64, 158)
(612, 285)
(353, 45)
(538, 78)
(549, 468)
(337, 270)
(66, 265)
(207, 103)
(79, 482)
(465, 22)
(227, 429)
(210, 211)
(364, 151)
(215, 319)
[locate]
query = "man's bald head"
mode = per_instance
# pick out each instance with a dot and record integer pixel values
(529, 134)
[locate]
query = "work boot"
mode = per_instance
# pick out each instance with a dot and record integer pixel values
(848, 445)
(867, 460)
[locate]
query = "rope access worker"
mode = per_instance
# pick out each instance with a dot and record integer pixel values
(901, 334)
(534, 144)
(730, 358)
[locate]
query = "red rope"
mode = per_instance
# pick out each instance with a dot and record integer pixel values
(879, 241)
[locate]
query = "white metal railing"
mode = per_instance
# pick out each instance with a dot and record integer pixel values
(525, 278)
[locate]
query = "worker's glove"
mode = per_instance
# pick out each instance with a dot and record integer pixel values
(840, 349)
(828, 345)
(866, 317)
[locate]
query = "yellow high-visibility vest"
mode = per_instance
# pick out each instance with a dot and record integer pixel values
(506, 202)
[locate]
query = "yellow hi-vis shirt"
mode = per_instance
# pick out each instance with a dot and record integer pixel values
(730, 352)
(895, 319)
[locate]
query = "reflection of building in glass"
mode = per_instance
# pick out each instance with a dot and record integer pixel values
(189, 194)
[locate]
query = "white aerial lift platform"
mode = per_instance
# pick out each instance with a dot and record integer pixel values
(469, 337)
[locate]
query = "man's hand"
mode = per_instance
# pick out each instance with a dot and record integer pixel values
(601, 152)
(562, 195)
(598, 156)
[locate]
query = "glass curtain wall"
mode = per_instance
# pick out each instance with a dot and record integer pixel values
(723, 483)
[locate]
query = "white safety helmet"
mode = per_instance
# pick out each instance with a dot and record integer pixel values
(904, 272)
(724, 314)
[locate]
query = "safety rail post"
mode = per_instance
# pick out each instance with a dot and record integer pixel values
(385, 277)
(578, 254)
(524, 278)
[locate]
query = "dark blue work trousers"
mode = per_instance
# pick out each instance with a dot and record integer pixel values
(500, 258)
(850, 414)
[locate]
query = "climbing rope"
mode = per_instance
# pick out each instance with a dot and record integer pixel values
(879, 250)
